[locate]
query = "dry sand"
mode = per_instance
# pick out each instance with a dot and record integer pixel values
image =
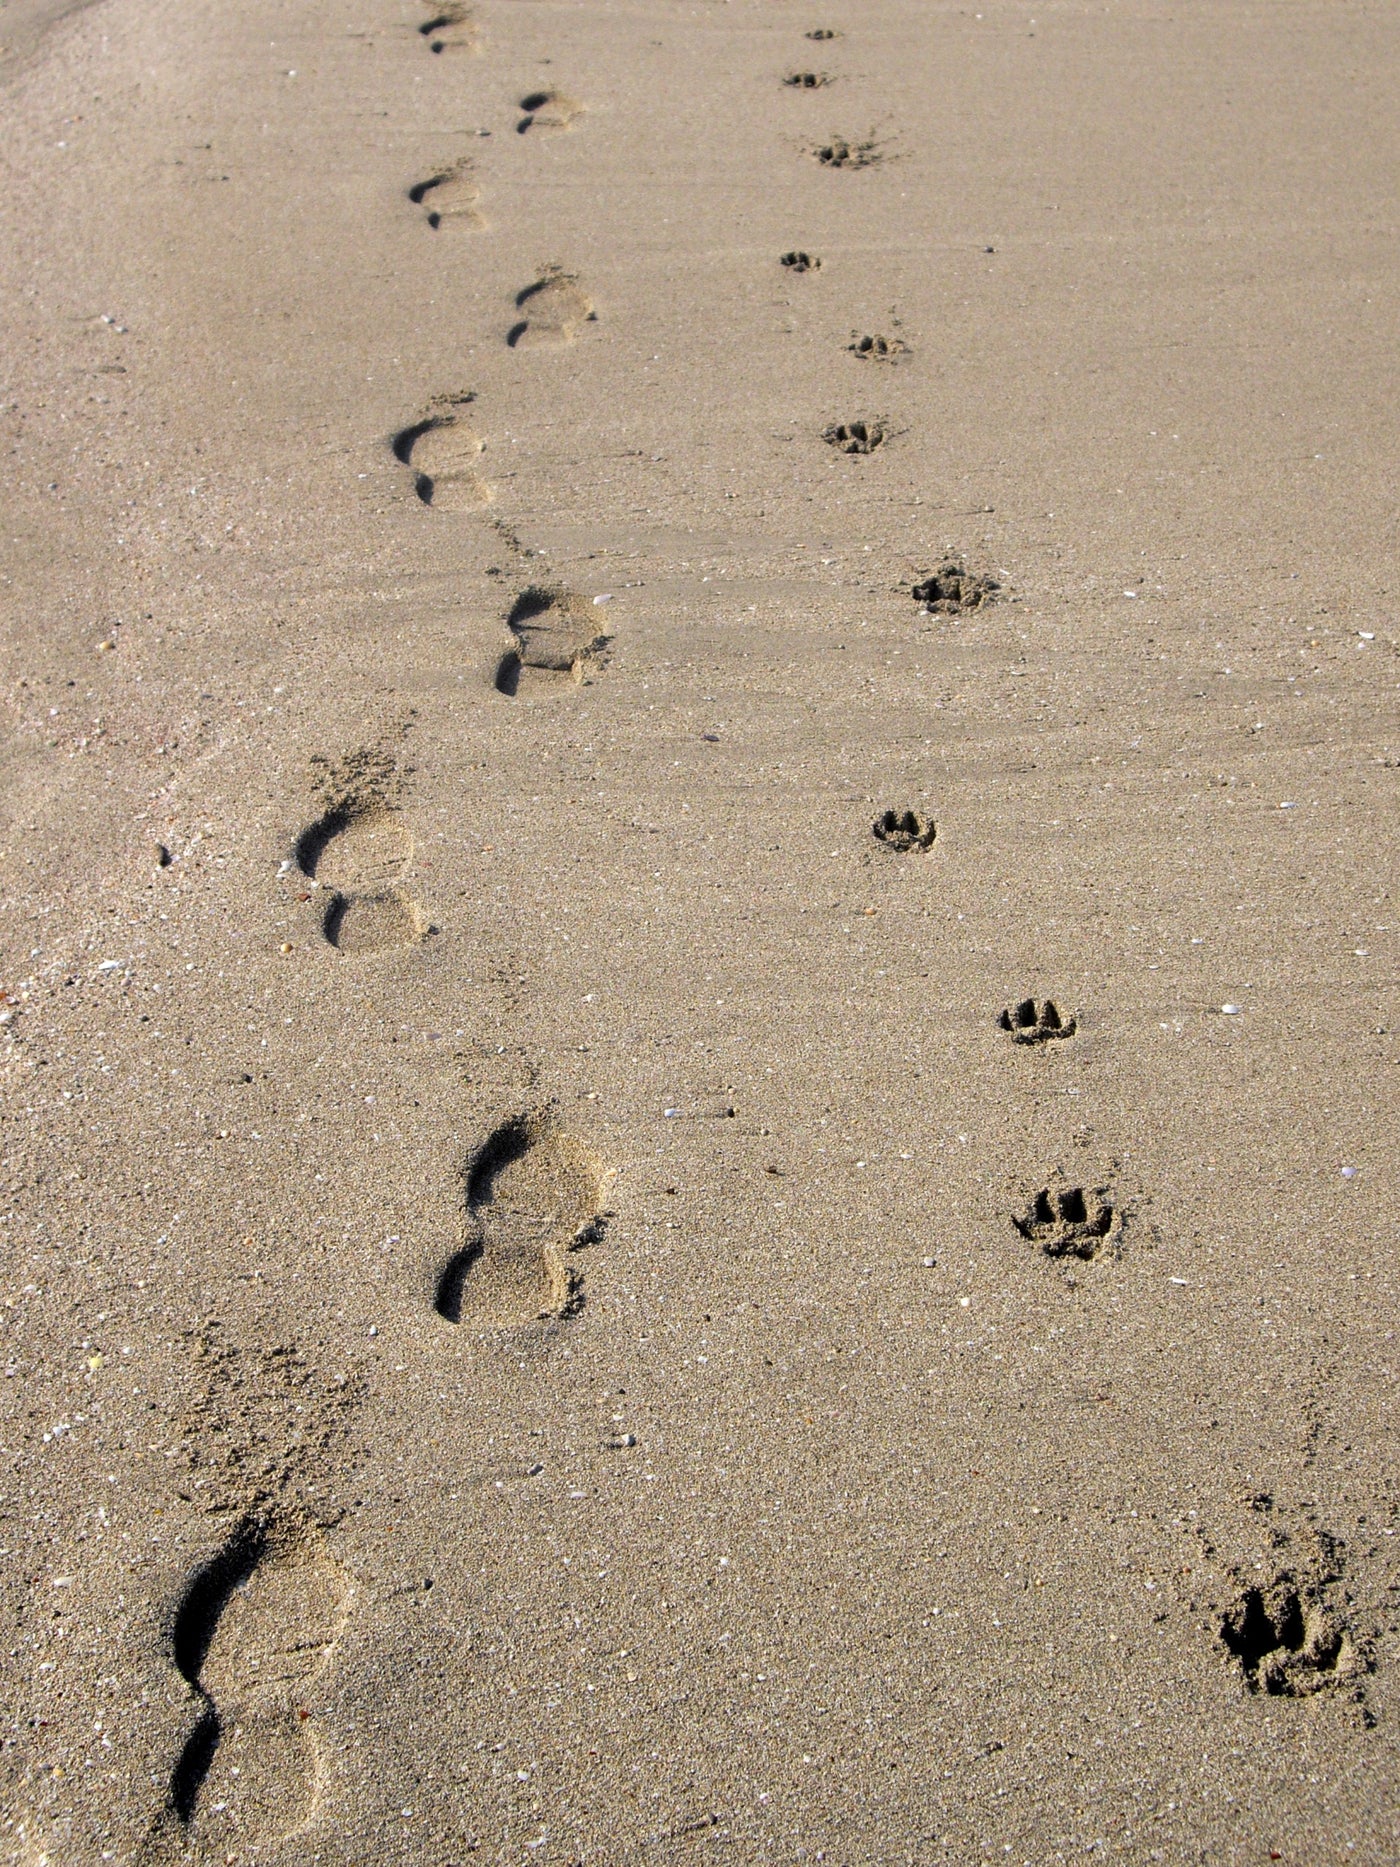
(549, 1316)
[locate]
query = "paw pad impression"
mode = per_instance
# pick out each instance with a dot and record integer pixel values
(1036, 1022)
(904, 831)
(1071, 1221)
(952, 589)
(1286, 1642)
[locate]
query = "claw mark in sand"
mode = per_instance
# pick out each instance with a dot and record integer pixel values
(904, 831)
(257, 1625)
(451, 29)
(556, 638)
(442, 450)
(551, 311)
(450, 196)
(1032, 1023)
(534, 1197)
(360, 852)
(547, 110)
(1071, 1222)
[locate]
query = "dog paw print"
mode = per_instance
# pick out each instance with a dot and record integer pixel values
(1036, 1022)
(840, 154)
(807, 80)
(1286, 1641)
(873, 348)
(854, 437)
(952, 589)
(798, 261)
(1071, 1221)
(904, 831)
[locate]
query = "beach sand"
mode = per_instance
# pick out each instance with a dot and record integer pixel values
(604, 601)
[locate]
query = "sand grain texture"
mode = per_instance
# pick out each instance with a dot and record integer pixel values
(560, 1303)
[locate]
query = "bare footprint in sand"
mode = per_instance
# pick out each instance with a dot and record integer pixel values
(551, 311)
(257, 1625)
(548, 110)
(452, 28)
(360, 854)
(449, 198)
(557, 638)
(534, 1195)
(442, 451)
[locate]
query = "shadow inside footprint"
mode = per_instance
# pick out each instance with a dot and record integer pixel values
(556, 638)
(255, 1626)
(533, 1198)
(554, 307)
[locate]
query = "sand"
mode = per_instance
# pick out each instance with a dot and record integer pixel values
(666, 1202)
